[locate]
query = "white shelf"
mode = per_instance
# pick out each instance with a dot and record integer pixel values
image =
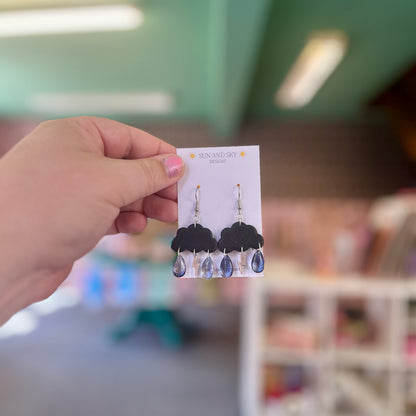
(370, 359)
(272, 355)
(363, 359)
(328, 358)
(290, 278)
(345, 286)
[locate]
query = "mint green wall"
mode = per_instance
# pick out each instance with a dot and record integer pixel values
(221, 59)
(167, 53)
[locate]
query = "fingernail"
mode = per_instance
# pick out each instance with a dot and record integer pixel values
(173, 166)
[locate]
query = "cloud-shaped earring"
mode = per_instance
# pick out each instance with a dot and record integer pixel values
(240, 237)
(194, 238)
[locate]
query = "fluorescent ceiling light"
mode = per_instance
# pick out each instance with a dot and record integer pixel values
(318, 59)
(103, 103)
(69, 20)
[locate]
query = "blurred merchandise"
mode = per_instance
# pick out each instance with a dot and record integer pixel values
(127, 271)
(354, 326)
(410, 349)
(288, 325)
(292, 332)
(287, 391)
(133, 274)
(410, 341)
(340, 237)
(328, 236)
(280, 381)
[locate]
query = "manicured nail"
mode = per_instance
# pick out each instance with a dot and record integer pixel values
(173, 166)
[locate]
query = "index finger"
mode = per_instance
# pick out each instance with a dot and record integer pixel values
(121, 141)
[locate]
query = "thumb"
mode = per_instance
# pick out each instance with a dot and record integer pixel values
(135, 179)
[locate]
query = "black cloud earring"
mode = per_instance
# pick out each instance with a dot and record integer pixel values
(194, 238)
(240, 237)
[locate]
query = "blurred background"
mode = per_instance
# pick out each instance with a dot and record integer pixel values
(328, 90)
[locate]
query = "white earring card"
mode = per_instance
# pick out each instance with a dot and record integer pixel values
(216, 176)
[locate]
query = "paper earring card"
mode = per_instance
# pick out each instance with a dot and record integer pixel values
(219, 214)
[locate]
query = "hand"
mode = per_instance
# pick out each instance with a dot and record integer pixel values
(65, 186)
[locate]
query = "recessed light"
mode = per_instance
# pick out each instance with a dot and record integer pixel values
(69, 20)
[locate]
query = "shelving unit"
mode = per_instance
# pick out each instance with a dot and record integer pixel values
(334, 367)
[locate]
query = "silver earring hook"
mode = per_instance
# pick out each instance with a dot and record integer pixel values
(196, 216)
(240, 210)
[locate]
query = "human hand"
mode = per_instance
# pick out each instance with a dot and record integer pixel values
(66, 185)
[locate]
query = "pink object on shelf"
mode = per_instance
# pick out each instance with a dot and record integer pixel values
(410, 348)
(292, 333)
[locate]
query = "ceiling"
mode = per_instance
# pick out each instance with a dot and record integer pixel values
(222, 60)
(382, 46)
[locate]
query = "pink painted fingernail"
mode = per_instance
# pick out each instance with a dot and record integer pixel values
(173, 166)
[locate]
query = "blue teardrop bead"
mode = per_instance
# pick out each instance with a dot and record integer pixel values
(207, 268)
(257, 263)
(179, 267)
(226, 266)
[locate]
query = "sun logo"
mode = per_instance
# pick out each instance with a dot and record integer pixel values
(192, 155)
(242, 154)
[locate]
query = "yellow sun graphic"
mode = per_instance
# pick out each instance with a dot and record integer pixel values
(242, 154)
(192, 155)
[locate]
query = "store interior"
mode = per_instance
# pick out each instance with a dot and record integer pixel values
(328, 91)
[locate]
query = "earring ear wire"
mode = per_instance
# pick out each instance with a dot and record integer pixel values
(194, 239)
(239, 215)
(197, 211)
(241, 237)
